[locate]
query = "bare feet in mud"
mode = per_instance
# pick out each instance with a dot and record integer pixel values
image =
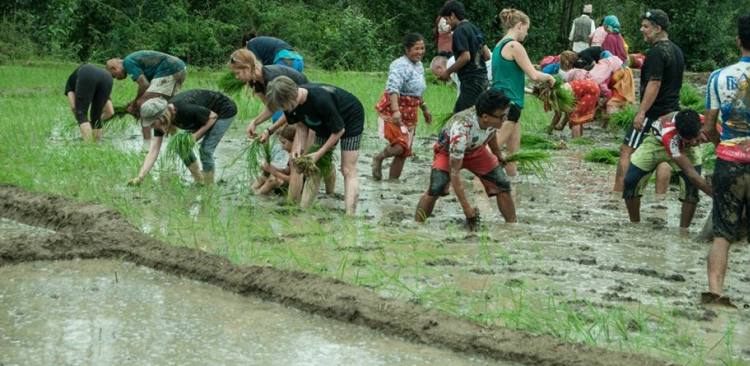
(710, 298)
(472, 223)
(377, 168)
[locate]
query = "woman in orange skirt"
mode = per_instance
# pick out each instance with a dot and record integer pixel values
(586, 92)
(398, 108)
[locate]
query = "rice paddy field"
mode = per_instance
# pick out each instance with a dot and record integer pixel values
(573, 267)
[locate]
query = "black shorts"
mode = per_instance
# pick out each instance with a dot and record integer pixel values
(633, 137)
(350, 143)
(469, 92)
(514, 113)
(731, 186)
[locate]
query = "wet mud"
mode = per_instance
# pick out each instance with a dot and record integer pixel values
(94, 232)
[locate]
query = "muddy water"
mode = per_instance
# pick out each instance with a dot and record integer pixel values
(107, 313)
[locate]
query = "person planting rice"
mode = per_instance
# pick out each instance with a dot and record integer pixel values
(276, 174)
(672, 139)
(661, 81)
(88, 89)
(510, 63)
(728, 103)
(205, 114)
(333, 114)
(470, 53)
(274, 51)
(397, 109)
(157, 74)
(462, 144)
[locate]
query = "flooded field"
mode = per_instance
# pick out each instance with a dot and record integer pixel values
(100, 312)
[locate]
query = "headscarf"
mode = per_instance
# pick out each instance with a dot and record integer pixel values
(612, 23)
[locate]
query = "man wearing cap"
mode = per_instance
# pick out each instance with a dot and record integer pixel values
(727, 102)
(661, 81)
(206, 114)
(157, 74)
(583, 27)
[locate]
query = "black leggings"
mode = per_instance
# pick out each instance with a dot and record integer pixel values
(93, 88)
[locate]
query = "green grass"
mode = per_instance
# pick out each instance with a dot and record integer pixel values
(230, 222)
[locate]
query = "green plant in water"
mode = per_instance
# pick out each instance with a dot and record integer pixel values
(605, 156)
(180, 146)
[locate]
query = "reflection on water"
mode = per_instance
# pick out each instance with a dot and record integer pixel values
(106, 313)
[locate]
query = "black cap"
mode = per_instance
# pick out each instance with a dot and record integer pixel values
(658, 17)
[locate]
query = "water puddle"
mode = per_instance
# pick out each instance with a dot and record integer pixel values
(107, 312)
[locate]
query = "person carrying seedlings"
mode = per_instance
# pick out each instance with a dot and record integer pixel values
(661, 81)
(470, 53)
(276, 174)
(205, 114)
(727, 102)
(462, 144)
(582, 29)
(157, 75)
(88, 89)
(397, 108)
(274, 51)
(672, 139)
(510, 65)
(334, 115)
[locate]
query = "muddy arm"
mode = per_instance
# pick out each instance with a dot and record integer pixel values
(458, 188)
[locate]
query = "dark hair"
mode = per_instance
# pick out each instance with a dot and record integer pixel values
(688, 123)
(453, 7)
(411, 39)
(490, 101)
(743, 31)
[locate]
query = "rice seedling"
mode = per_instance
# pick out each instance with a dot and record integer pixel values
(256, 155)
(180, 146)
(322, 168)
(532, 141)
(229, 84)
(581, 141)
(623, 119)
(530, 161)
(556, 98)
(604, 156)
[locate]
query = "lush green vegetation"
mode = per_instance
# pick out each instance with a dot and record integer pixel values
(41, 152)
(348, 34)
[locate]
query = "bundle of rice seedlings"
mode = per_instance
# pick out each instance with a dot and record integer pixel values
(623, 119)
(530, 161)
(120, 111)
(256, 154)
(604, 156)
(229, 84)
(691, 98)
(322, 168)
(556, 98)
(531, 141)
(180, 146)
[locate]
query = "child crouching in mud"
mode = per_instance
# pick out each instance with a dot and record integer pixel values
(462, 145)
(275, 176)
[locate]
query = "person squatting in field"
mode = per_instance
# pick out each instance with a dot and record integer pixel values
(157, 75)
(462, 144)
(397, 108)
(88, 89)
(205, 114)
(276, 174)
(335, 115)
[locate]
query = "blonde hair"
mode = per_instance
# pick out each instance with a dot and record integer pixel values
(288, 133)
(567, 59)
(281, 93)
(510, 17)
(242, 58)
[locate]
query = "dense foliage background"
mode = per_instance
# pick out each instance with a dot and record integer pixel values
(333, 34)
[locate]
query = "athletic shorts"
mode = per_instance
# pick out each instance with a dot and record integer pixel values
(633, 137)
(481, 162)
(514, 113)
(167, 85)
(350, 143)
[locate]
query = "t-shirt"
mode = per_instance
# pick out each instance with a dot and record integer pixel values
(597, 38)
(271, 72)
(406, 78)
(327, 110)
(70, 85)
(665, 130)
(467, 37)
(151, 64)
(279, 157)
(194, 107)
(665, 62)
(265, 48)
(727, 91)
(462, 134)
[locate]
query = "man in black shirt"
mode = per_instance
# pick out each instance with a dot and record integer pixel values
(471, 54)
(333, 114)
(661, 81)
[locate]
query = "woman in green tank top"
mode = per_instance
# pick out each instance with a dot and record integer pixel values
(510, 65)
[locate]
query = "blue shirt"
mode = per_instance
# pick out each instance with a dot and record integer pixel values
(151, 64)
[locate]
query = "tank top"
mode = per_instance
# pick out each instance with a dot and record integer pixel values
(506, 75)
